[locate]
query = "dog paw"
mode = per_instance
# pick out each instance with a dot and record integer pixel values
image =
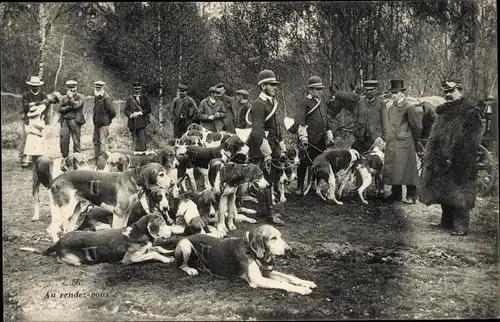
(102, 227)
(251, 221)
(168, 260)
(340, 203)
(35, 218)
(303, 290)
(190, 271)
(365, 202)
(232, 227)
(222, 228)
(308, 284)
(282, 200)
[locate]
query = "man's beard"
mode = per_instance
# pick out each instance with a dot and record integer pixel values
(35, 91)
(98, 93)
(270, 92)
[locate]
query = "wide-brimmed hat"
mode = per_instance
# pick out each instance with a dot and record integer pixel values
(451, 84)
(397, 85)
(137, 85)
(35, 81)
(315, 82)
(242, 92)
(267, 76)
(370, 84)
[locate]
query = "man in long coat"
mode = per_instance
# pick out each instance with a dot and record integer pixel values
(232, 111)
(72, 118)
(212, 112)
(450, 166)
(369, 113)
(266, 140)
(137, 110)
(183, 109)
(313, 130)
(400, 160)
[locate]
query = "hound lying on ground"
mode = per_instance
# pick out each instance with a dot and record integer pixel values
(249, 258)
(45, 169)
(127, 245)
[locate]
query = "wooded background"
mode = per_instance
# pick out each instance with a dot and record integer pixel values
(201, 44)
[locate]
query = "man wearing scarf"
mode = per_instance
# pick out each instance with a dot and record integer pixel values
(449, 166)
(314, 133)
(266, 142)
(137, 110)
(104, 113)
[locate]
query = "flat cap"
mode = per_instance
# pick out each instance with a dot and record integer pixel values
(137, 85)
(71, 83)
(219, 85)
(242, 92)
(99, 83)
(370, 84)
(451, 84)
(214, 89)
(182, 86)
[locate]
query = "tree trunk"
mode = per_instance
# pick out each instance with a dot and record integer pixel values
(60, 62)
(42, 17)
(160, 71)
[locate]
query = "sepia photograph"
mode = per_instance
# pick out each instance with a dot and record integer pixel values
(250, 161)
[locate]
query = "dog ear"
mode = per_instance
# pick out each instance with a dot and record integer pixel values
(257, 243)
(67, 163)
(154, 226)
(147, 176)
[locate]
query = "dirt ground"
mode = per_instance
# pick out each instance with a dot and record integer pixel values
(370, 262)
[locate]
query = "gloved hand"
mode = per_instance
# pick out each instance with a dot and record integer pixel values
(304, 140)
(217, 115)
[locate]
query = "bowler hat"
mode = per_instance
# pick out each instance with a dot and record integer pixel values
(370, 84)
(397, 86)
(137, 85)
(71, 83)
(182, 87)
(451, 84)
(315, 82)
(267, 76)
(99, 83)
(35, 81)
(242, 92)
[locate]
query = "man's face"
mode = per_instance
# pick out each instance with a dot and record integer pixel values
(72, 89)
(396, 97)
(35, 89)
(219, 95)
(315, 92)
(98, 91)
(370, 93)
(270, 89)
(137, 91)
(451, 95)
(223, 90)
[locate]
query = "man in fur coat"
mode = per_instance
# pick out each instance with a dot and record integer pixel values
(449, 170)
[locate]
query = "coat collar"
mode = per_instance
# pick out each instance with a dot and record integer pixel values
(265, 97)
(401, 103)
(309, 96)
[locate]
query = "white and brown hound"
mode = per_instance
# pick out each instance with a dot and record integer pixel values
(45, 169)
(132, 244)
(116, 192)
(326, 166)
(249, 257)
(371, 165)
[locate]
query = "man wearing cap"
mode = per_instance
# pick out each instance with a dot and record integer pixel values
(313, 130)
(137, 110)
(212, 112)
(231, 119)
(400, 159)
(243, 108)
(266, 141)
(369, 112)
(183, 109)
(449, 166)
(104, 113)
(31, 98)
(72, 119)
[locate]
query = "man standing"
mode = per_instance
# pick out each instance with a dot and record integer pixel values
(369, 112)
(72, 118)
(231, 119)
(405, 126)
(449, 169)
(104, 113)
(266, 142)
(212, 112)
(243, 107)
(314, 133)
(183, 110)
(30, 99)
(137, 110)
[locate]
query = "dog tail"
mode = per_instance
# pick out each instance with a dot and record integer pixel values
(311, 177)
(46, 252)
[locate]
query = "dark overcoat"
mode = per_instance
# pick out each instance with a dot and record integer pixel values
(132, 106)
(263, 129)
(449, 165)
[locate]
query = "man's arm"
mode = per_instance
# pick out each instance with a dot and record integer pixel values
(384, 118)
(222, 112)
(415, 116)
(192, 107)
(146, 109)
(109, 107)
(128, 110)
(258, 111)
(202, 116)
